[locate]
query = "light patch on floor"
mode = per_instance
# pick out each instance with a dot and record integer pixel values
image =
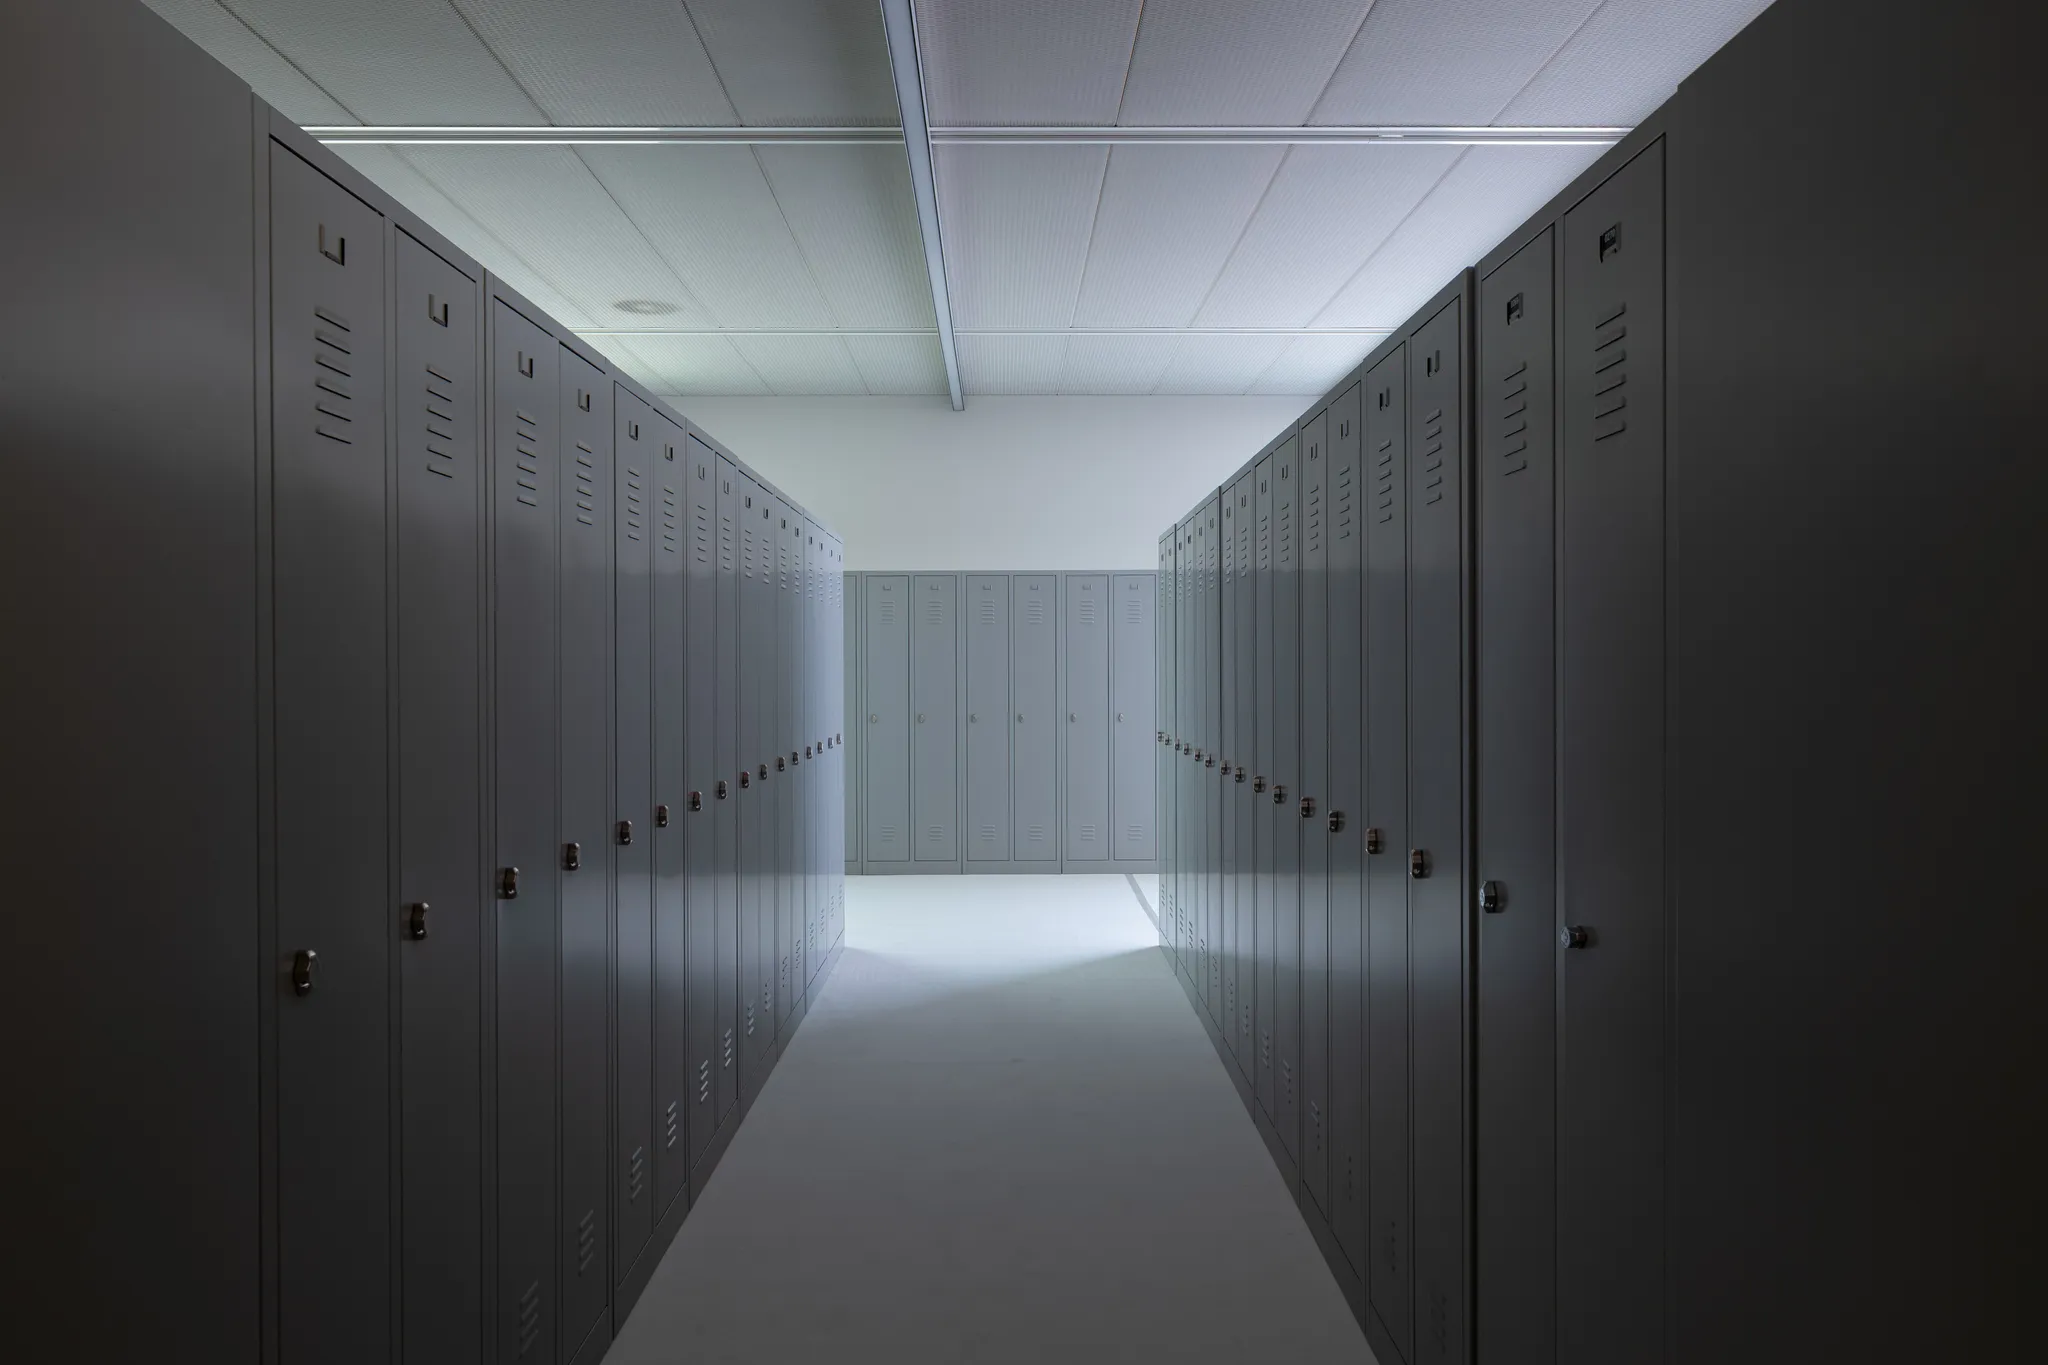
(1001, 1135)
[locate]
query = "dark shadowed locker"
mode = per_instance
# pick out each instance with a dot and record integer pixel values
(885, 741)
(1304, 804)
(1515, 830)
(1034, 697)
(1239, 808)
(589, 833)
(329, 494)
(1286, 917)
(672, 1058)
(1227, 855)
(1439, 909)
(1130, 673)
(725, 790)
(440, 809)
(1212, 729)
(636, 531)
(1612, 953)
(525, 494)
(1340, 825)
(1386, 842)
(1263, 987)
(756, 796)
(702, 819)
(792, 781)
(935, 729)
(1085, 666)
(987, 628)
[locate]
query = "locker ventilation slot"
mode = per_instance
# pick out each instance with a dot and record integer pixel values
(525, 436)
(1035, 834)
(586, 485)
(728, 1049)
(1610, 374)
(1090, 833)
(1433, 457)
(674, 1124)
(636, 1169)
(1086, 611)
(529, 1317)
(670, 521)
(440, 424)
(985, 614)
(636, 505)
(329, 352)
(1312, 517)
(704, 1080)
(700, 533)
(1342, 500)
(1034, 612)
(586, 1241)
(1514, 420)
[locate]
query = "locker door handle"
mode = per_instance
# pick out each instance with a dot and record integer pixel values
(625, 833)
(508, 884)
(721, 789)
(1308, 808)
(873, 718)
(1336, 822)
(416, 920)
(696, 800)
(1571, 936)
(572, 857)
(526, 364)
(1259, 785)
(437, 311)
(973, 719)
(1072, 718)
(920, 718)
(764, 772)
(661, 817)
(1020, 717)
(1211, 763)
(1240, 775)
(1418, 863)
(1119, 718)
(303, 962)
(780, 766)
(1279, 796)
(1373, 840)
(340, 257)
(1489, 897)
(1226, 770)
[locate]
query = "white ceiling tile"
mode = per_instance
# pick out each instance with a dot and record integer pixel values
(1028, 62)
(801, 364)
(1328, 210)
(710, 214)
(604, 61)
(1010, 364)
(1169, 219)
(696, 365)
(1016, 222)
(1116, 364)
(1311, 366)
(1427, 62)
(392, 61)
(1220, 364)
(234, 45)
(1628, 59)
(545, 205)
(852, 213)
(899, 364)
(800, 62)
(619, 351)
(1484, 197)
(1222, 62)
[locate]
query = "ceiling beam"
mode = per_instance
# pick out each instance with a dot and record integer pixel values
(1387, 136)
(908, 71)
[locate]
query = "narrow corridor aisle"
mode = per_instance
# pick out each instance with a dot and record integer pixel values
(1000, 1135)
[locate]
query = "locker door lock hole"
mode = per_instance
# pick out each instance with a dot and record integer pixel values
(1575, 936)
(721, 789)
(1279, 795)
(1336, 822)
(696, 801)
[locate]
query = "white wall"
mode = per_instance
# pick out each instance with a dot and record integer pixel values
(1012, 483)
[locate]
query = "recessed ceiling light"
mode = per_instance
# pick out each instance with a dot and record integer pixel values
(644, 307)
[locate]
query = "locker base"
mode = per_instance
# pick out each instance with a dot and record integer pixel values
(1289, 1173)
(642, 1270)
(700, 1174)
(1354, 1288)
(595, 1344)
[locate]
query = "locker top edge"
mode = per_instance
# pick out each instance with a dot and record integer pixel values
(1583, 184)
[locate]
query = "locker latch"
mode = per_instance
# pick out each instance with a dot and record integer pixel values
(780, 766)
(1240, 774)
(1198, 755)
(792, 758)
(746, 780)
(1308, 808)
(1211, 763)
(807, 751)
(696, 800)
(721, 789)
(508, 883)
(1279, 795)
(1259, 785)
(1571, 936)
(625, 833)
(416, 920)
(1418, 863)
(661, 817)
(1226, 770)
(1489, 897)
(572, 857)
(1336, 822)
(1374, 841)
(302, 971)
(764, 771)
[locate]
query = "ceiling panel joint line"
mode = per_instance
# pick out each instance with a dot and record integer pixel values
(1392, 233)
(235, 15)
(504, 66)
(1243, 231)
(724, 90)
(1329, 80)
(906, 67)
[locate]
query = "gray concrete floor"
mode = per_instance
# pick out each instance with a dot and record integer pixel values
(1001, 1135)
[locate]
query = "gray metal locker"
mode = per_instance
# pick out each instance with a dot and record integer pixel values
(1085, 676)
(885, 736)
(851, 800)
(1227, 853)
(1612, 1074)
(439, 536)
(987, 797)
(757, 707)
(332, 812)
(1386, 843)
(1286, 917)
(935, 725)
(702, 816)
(1265, 1001)
(525, 493)
(1176, 775)
(725, 791)
(1515, 739)
(1212, 762)
(1341, 826)
(1437, 943)
(1305, 805)
(672, 1061)
(1162, 705)
(1239, 806)
(818, 769)
(793, 823)
(1131, 667)
(588, 825)
(1034, 699)
(636, 530)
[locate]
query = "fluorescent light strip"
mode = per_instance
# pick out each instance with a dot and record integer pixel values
(986, 332)
(907, 67)
(1390, 136)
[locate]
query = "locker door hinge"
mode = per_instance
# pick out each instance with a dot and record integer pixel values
(416, 920)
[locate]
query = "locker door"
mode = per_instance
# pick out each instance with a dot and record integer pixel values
(1087, 729)
(1286, 959)
(1162, 703)
(1131, 664)
(1242, 811)
(1265, 1000)
(988, 718)
(1314, 769)
(1611, 1064)
(703, 812)
(672, 1062)
(756, 795)
(1034, 698)
(1515, 1059)
(725, 788)
(1176, 768)
(935, 729)
(1386, 841)
(525, 495)
(1212, 733)
(1340, 826)
(1437, 942)
(885, 743)
(589, 823)
(639, 470)
(1227, 853)
(440, 808)
(808, 945)
(850, 754)
(329, 661)
(792, 823)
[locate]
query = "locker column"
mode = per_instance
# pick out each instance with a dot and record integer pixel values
(1036, 657)
(1286, 831)
(1227, 854)
(1264, 998)
(1133, 816)
(1240, 809)
(729, 985)
(673, 1059)
(934, 732)
(1341, 827)
(987, 749)
(1314, 772)
(1085, 736)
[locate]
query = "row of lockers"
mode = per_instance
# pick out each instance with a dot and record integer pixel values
(1003, 722)
(1528, 638)
(503, 714)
